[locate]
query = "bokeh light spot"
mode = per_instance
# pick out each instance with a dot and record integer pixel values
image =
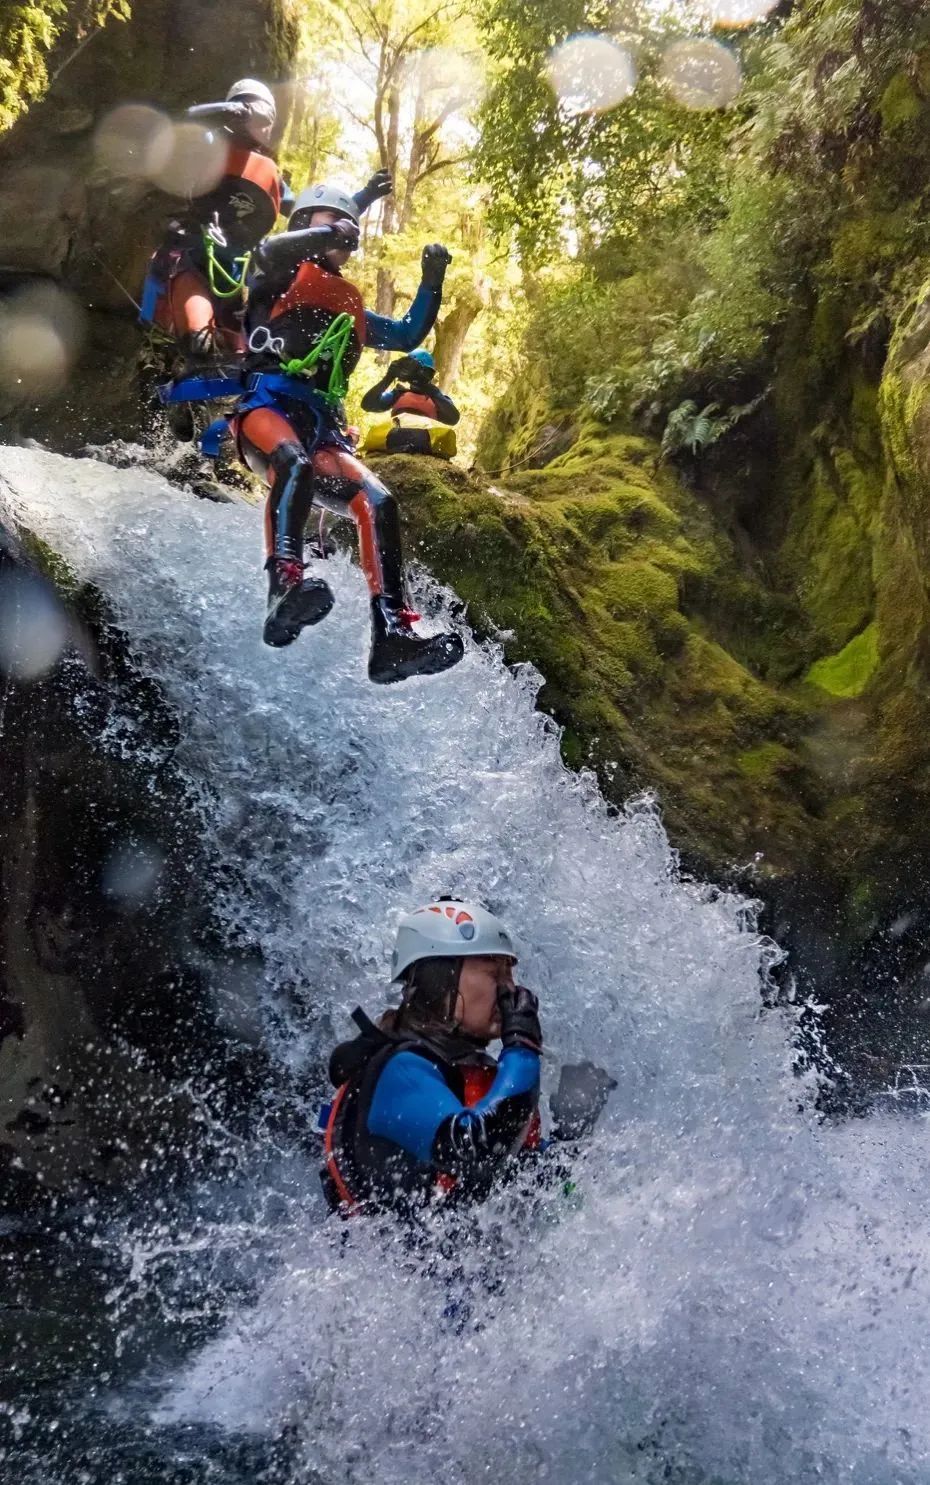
(738, 12)
(195, 163)
(134, 140)
(33, 626)
(132, 872)
(701, 73)
(40, 334)
(443, 69)
(590, 74)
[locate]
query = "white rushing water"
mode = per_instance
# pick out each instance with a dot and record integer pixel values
(735, 1294)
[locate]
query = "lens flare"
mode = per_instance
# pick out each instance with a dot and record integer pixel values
(40, 334)
(442, 69)
(33, 626)
(701, 74)
(737, 12)
(195, 162)
(134, 140)
(590, 74)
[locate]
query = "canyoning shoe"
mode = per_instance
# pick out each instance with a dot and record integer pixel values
(294, 602)
(397, 652)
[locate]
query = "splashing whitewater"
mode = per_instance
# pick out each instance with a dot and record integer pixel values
(735, 1295)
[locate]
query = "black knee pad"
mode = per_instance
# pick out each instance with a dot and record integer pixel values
(287, 458)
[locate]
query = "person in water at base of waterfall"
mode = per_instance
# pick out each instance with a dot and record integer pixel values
(423, 1112)
(306, 327)
(414, 393)
(194, 288)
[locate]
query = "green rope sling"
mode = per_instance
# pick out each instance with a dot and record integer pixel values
(332, 346)
(233, 285)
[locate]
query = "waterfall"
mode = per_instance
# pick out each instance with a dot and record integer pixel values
(734, 1292)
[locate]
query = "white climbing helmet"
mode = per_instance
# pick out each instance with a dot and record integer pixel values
(259, 92)
(448, 929)
(327, 198)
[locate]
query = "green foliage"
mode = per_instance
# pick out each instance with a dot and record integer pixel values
(29, 32)
(646, 163)
(693, 431)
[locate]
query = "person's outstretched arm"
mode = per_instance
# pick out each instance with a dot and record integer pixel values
(405, 334)
(381, 184)
(280, 255)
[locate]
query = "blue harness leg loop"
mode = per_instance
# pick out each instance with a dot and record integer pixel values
(199, 389)
(152, 290)
(212, 436)
(265, 389)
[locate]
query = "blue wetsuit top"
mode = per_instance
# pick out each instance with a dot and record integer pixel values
(413, 1107)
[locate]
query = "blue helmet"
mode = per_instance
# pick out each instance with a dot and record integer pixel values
(424, 359)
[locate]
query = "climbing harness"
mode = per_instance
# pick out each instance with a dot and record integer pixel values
(331, 346)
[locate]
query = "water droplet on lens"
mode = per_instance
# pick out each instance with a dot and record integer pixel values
(590, 74)
(701, 73)
(132, 872)
(33, 626)
(134, 140)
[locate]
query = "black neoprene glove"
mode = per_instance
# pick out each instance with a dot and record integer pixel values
(381, 184)
(520, 1026)
(345, 234)
(434, 262)
(579, 1100)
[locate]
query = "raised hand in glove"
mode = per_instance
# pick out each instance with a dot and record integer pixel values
(579, 1100)
(435, 261)
(381, 184)
(519, 1011)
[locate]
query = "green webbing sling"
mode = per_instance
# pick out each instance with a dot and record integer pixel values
(332, 345)
(234, 285)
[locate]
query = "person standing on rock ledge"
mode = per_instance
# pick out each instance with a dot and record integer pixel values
(414, 393)
(422, 1112)
(306, 329)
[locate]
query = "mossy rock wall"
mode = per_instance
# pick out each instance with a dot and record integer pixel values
(763, 666)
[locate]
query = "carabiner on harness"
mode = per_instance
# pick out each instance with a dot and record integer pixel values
(261, 341)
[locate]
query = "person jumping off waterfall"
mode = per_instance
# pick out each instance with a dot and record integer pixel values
(306, 327)
(423, 1113)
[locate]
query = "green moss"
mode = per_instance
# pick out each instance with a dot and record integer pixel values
(49, 562)
(766, 762)
(848, 673)
(900, 103)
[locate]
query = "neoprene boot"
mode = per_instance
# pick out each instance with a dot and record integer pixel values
(398, 653)
(294, 602)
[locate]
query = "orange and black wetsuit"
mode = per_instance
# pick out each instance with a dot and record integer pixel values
(290, 428)
(232, 217)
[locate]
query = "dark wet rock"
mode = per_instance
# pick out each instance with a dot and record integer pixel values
(106, 939)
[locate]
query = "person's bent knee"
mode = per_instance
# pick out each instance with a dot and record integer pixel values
(287, 457)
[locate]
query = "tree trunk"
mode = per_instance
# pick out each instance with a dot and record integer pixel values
(452, 332)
